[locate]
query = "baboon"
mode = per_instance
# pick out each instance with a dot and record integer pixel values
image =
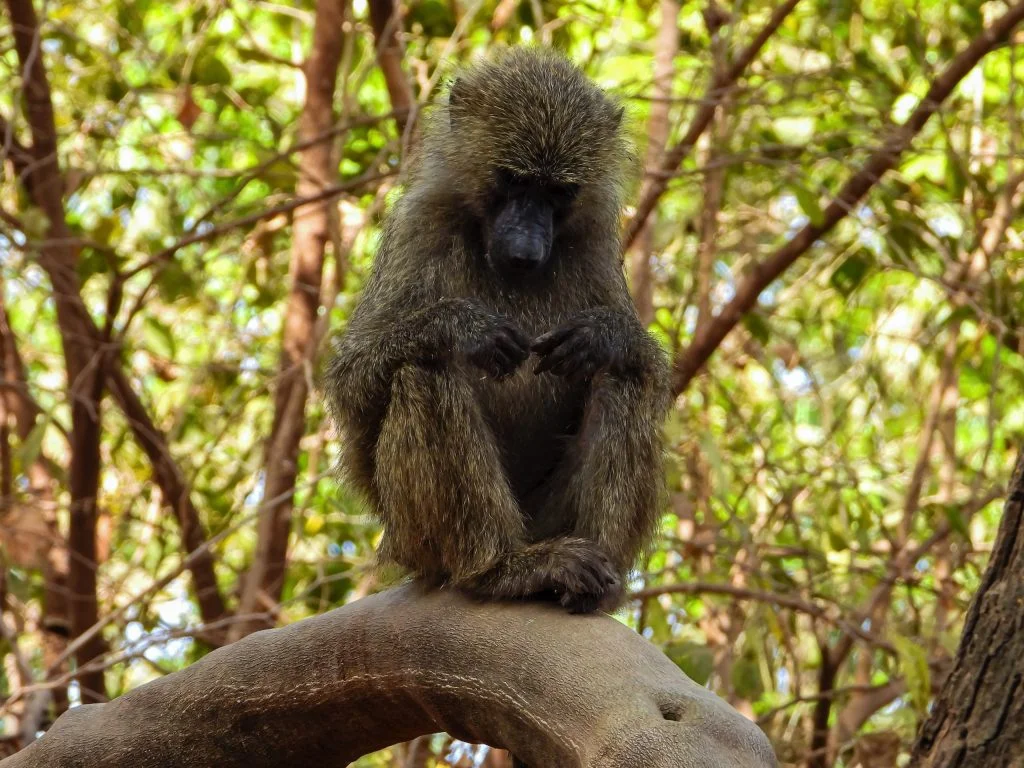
(505, 478)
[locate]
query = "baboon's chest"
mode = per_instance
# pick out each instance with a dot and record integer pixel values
(533, 419)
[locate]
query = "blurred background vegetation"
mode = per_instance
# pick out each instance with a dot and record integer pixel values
(836, 469)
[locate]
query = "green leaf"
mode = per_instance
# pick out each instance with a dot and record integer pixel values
(930, 165)
(435, 17)
(794, 130)
(955, 517)
(657, 620)
(913, 661)
(159, 338)
(91, 262)
(746, 677)
(36, 223)
(757, 326)
(848, 275)
(956, 180)
(174, 282)
(697, 661)
(809, 204)
(32, 446)
(210, 70)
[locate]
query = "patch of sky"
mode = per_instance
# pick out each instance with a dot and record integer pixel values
(797, 380)
(946, 225)
(255, 496)
(782, 681)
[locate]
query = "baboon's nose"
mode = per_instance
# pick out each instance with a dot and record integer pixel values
(526, 254)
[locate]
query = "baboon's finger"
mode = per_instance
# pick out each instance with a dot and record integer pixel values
(572, 347)
(512, 345)
(521, 340)
(546, 342)
(502, 364)
(571, 364)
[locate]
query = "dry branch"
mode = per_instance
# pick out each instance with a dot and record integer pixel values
(557, 690)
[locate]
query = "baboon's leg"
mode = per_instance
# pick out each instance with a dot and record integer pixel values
(448, 510)
(446, 503)
(607, 488)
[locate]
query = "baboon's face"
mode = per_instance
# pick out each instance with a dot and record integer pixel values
(523, 221)
(529, 132)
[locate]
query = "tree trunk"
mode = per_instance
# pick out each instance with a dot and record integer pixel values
(86, 351)
(976, 720)
(318, 169)
(83, 363)
(666, 48)
(386, 20)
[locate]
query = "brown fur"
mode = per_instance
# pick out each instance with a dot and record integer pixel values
(530, 484)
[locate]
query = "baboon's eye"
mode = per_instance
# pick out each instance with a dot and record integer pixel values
(510, 182)
(562, 195)
(566, 193)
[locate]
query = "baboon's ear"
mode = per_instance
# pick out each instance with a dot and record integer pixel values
(458, 102)
(618, 114)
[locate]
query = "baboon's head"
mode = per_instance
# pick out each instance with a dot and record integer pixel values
(535, 141)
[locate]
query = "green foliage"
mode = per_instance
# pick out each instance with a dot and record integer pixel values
(789, 463)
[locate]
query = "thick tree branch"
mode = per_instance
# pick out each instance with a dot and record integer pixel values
(721, 84)
(330, 193)
(749, 288)
(41, 474)
(555, 689)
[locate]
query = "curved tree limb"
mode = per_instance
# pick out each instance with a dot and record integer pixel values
(555, 689)
(760, 277)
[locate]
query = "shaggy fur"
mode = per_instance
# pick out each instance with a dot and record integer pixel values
(526, 484)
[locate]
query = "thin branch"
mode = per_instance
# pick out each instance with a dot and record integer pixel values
(720, 86)
(749, 288)
(268, 213)
(771, 598)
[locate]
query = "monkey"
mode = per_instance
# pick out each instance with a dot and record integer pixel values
(500, 402)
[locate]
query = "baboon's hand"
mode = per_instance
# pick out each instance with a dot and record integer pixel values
(497, 346)
(472, 331)
(580, 348)
(582, 576)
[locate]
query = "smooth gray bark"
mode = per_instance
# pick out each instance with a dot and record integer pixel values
(555, 689)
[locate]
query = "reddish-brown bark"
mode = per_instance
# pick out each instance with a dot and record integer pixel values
(84, 368)
(89, 359)
(666, 46)
(311, 232)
